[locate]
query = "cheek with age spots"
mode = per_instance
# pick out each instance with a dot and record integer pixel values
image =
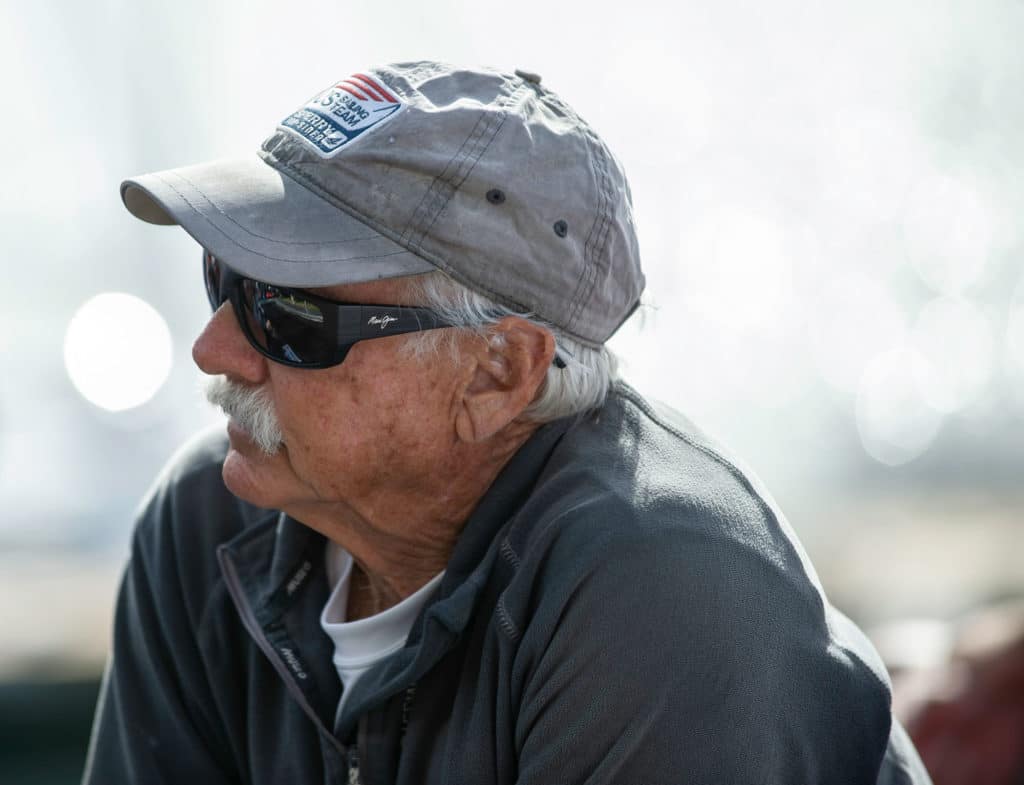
(368, 418)
(351, 384)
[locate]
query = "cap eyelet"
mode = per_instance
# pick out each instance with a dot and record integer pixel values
(496, 196)
(561, 228)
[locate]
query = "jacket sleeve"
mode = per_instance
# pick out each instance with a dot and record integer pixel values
(664, 660)
(154, 721)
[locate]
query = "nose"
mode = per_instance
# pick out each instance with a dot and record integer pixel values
(222, 348)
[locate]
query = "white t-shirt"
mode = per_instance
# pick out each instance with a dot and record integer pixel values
(360, 644)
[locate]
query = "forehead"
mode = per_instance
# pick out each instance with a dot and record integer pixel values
(386, 291)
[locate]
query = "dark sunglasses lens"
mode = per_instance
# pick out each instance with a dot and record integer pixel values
(286, 325)
(211, 276)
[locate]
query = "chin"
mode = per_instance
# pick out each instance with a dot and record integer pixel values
(255, 477)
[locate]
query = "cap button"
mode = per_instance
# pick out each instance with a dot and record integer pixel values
(529, 76)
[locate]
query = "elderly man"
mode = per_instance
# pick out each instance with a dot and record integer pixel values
(440, 542)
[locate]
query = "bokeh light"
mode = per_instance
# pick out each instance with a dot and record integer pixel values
(853, 319)
(948, 231)
(1014, 348)
(895, 423)
(956, 340)
(117, 351)
(871, 156)
(739, 270)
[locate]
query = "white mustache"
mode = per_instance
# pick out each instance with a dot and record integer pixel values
(251, 410)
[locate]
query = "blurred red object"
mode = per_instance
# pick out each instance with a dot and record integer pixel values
(969, 726)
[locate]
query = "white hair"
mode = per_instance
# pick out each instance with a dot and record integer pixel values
(575, 389)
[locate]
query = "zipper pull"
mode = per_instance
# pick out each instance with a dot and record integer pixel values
(353, 766)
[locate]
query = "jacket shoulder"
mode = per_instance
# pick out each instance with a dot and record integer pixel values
(645, 544)
(640, 485)
(639, 471)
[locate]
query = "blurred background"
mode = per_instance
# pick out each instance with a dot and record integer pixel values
(828, 197)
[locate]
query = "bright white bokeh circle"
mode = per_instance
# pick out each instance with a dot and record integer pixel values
(852, 319)
(870, 156)
(895, 423)
(957, 340)
(949, 232)
(117, 351)
(739, 274)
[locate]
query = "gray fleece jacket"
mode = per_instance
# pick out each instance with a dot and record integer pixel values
(625, 605)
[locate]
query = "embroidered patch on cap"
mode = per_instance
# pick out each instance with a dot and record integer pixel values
(342, 113)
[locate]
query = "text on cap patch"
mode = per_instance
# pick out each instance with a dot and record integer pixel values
(343, 112)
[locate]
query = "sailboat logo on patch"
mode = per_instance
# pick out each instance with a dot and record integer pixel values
(343, 112)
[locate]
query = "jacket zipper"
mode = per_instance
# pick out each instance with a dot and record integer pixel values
(407, 700)
(249, 621)
(353, 766)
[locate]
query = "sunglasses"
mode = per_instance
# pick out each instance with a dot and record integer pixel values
(293, 327)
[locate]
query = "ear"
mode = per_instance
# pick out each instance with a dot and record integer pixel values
(508, 370)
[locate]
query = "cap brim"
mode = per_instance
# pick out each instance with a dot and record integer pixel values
(267, 226)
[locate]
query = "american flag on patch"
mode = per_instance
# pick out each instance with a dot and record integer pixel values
(364, 88)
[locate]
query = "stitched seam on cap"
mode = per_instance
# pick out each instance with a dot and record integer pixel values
(276, 258)
(597, 250)
(576, 300)
(484, 129)
(476, 159)
(605, 226)
(413, 234)
(256, 234)
(588, 274)
(455, 186)
(431, 204)
(573, 302)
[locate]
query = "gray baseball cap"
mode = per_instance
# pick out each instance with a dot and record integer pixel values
(412, 167)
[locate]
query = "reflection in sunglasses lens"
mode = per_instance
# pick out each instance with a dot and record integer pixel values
(288, 326)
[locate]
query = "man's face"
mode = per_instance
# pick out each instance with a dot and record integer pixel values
(361, 434)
